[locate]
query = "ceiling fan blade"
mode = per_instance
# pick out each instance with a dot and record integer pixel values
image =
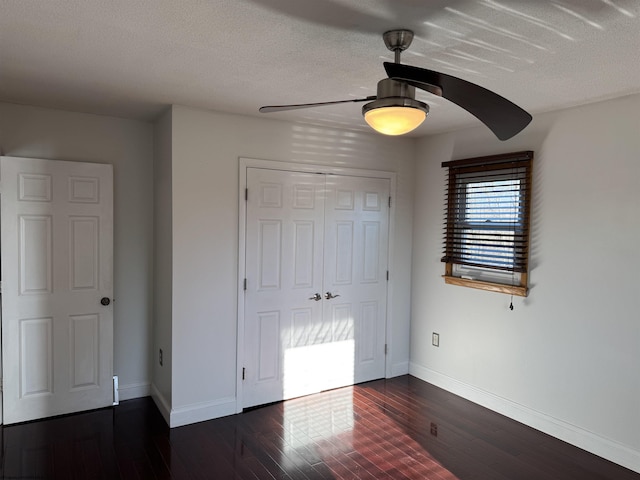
(504, 118)
(283, 108)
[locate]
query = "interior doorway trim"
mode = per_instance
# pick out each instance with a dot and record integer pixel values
(244, 164)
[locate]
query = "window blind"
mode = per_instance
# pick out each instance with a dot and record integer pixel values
(487, 207)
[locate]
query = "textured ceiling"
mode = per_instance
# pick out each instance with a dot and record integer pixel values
(132, 58)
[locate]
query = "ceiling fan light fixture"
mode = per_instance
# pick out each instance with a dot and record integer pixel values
(395, 116)
(395, 111)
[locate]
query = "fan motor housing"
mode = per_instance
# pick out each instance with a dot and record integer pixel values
(392, 93)
(388, 87)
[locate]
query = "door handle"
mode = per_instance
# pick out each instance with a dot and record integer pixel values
(317, 297)
(329, 296)
(105, 301)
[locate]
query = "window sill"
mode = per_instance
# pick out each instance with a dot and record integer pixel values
(492, 287)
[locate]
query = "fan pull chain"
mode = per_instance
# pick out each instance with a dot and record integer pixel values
(511, 304)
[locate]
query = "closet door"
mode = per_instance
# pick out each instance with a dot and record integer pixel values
(355, 277)
(315, 302)
(284, 331)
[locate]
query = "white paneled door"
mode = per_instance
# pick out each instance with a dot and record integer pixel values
(316, 288)
(355, 276)
(57, 288)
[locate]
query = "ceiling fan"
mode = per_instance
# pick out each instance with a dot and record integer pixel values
(395, 111)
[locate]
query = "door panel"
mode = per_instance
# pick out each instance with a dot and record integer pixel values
(84, 251)
(268, 346)
(36, 361)
(303, 254)
(342, 263)
(57, 253)
(84, 352)
(269, 260)
(35, 251)
(310, 234)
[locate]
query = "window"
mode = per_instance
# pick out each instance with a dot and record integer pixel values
(487, 222)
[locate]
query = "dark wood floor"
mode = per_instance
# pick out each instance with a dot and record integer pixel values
(401, 428)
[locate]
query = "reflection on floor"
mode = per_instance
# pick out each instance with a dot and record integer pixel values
(401, 428)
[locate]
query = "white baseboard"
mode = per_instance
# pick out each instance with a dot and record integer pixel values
(584, 439)
(199, 412)
(134, 390)
(161, 403)
(401, 368)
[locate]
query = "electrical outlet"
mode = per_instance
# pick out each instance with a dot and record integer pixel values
(434, 429)
(160, 357)
(435, 339)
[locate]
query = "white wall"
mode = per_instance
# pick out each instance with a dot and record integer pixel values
(206, 148)
(566, 360)
(127, 145)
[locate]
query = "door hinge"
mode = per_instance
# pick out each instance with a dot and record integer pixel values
(245, 283)
(243, 371)
(246, 194)
(389, 202)
(387, 275)
(386, 349)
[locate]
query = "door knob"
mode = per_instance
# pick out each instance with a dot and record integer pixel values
(317, 297)
(329, 296)
(105, 301)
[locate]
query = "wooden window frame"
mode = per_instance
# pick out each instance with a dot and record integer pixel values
(488, 164)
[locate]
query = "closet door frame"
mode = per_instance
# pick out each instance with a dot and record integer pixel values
(244, 164)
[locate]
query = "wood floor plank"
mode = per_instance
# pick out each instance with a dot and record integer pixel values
(400, 428)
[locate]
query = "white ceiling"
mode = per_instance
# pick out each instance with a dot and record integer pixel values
(132, 58)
